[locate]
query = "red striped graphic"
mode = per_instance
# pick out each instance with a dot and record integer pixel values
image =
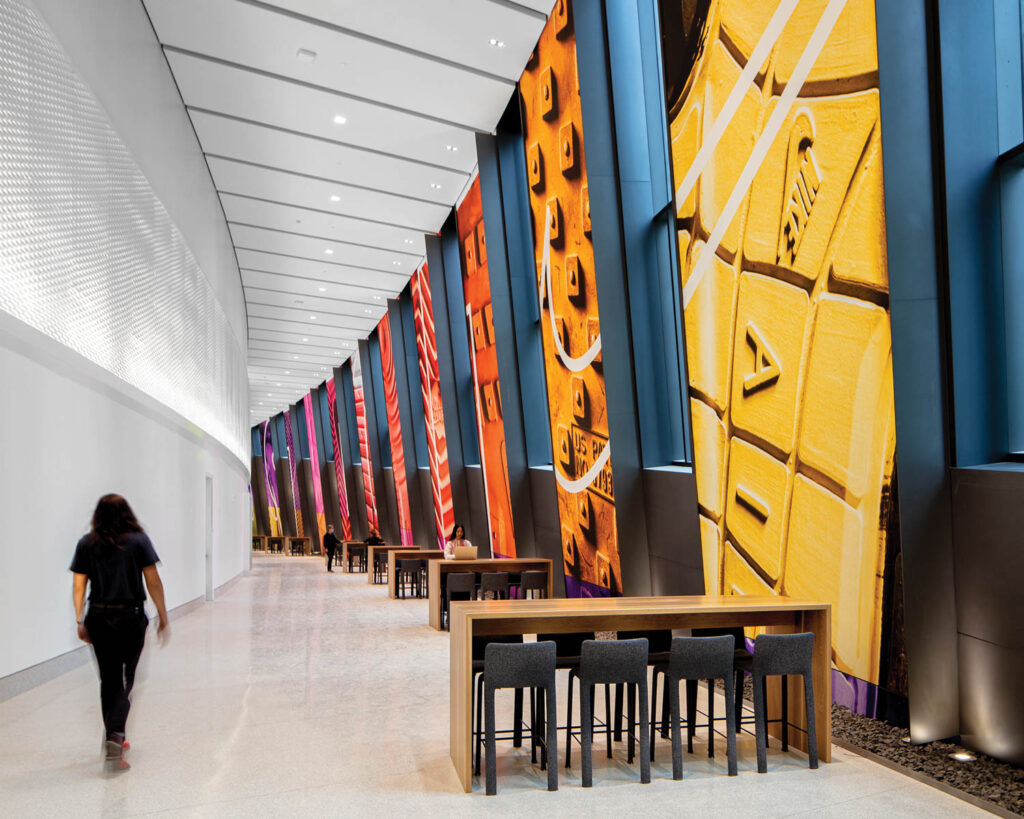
(339, 465)
(364, 446)
(430, 385)
(387, 361)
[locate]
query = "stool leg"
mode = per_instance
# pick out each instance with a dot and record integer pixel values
(645, 719)
(785, 713)
(654, 709)
(711, 719)
(730, 724)
(586, 735)
(812, 729)
(738, 704)
(533, 727)
(677, 734)
(479, 706)
(664, 706)
(691, 713)
(492, 767)
(618, 712)
(763, 690)
(760, 725)
(551, 740)
(568, 724)
(517, 731)
(541, 719)
(631, 739)
(608, 718)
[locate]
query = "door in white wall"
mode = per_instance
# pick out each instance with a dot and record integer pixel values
(208, 528)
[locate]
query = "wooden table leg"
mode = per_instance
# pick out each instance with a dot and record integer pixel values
(461, 697)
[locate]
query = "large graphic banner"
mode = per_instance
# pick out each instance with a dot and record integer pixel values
(314, 461)
(364, 446)
(387, 361)
(476, 287)
(560, 205)
(776, 155)
(339, 461)
(270, 480)
(433, 409)
(293, 459)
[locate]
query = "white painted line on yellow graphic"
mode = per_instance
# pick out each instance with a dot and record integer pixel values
(772, 32)
(771, 129)
(573, 365)
(578, 485)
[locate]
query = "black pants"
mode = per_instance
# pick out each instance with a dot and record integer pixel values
(330, 557)
(117, 639)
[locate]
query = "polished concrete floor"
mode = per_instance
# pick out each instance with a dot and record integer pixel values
(302, 693)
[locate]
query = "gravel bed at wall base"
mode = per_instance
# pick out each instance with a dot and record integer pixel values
(984, 777)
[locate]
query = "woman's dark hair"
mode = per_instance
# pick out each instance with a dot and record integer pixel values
(113, 517)
(456, 528)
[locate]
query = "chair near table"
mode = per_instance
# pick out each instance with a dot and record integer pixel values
(411, 572)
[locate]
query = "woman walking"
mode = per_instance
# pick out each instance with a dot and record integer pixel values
(113, 559)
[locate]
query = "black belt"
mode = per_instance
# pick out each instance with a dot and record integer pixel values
(130, 608)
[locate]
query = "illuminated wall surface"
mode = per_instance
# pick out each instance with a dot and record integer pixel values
(270, 478)
(293, 459)
(314, 461)
(364, 445)
(387, 361)
(433, 410)
(476, 286)
(776, 154)
(339, 465)
(559, 202)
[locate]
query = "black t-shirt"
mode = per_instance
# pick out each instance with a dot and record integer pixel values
(115, 572)
(331, 541)
(374, 540)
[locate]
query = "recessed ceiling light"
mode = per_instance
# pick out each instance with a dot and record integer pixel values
(305, 339)
(452, 148)
(497, 43)
(278, 385)
(329, 251)
(322, 289)
(377, 298)
(288, 372)
(339, 119)
(435, 185)
(295, 357)
(368, 310)
(337, 352)
(260, 403)
(304, 55)
(335, 197)
(408, 241)
(312, 318)
(396, 263)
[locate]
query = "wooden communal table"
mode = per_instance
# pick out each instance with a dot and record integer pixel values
(304, 542)
(275, 543)
(394, 555)
(345, 544)
(388, 547)
(259, 543)
(436, 569)
(780, 615)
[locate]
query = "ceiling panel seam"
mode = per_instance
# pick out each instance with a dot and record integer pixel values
(401, 274)
(320, 138)
(369, 38)
(328, 180)
(311, 279)
(325, 212)
(259, 72)
(323, 238)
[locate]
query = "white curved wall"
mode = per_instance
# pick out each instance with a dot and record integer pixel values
(122, 322)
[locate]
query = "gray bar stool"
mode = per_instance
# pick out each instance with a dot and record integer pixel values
(462, 584)
(494, 582)
(783, 655)
(533, 585)
(411, 572)
(614, 661)
(527, 665)
(701, 658)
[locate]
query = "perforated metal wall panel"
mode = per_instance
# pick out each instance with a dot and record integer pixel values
(89, 255)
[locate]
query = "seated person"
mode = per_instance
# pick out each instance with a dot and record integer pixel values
(374, 539)
(458, 538)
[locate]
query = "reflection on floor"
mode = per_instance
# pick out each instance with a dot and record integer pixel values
(302, 693)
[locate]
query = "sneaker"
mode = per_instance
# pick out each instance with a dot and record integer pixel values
(113, 759)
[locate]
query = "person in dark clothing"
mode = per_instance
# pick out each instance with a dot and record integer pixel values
(331, 543)
(113, 560)
(374, 539)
